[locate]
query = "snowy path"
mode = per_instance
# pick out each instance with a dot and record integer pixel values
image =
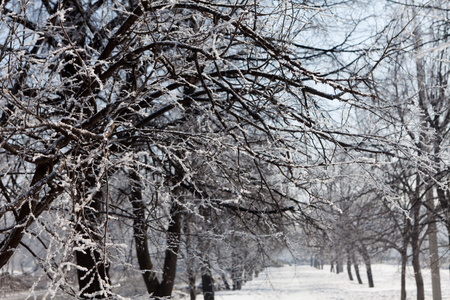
(306, 283)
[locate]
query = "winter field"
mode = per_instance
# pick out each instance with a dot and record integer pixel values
(306, 283)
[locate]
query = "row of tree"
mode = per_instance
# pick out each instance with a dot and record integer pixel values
(412, 184)
(139, 134)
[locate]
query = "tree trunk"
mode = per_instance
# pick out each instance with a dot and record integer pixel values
(207, 282)
(338, 266)
(425, 142)
(355, 264)
(403, 274)
(404, 255)
(248, 272)
(93, 274)
(192, 287)
(418, 275)
(415, 245)
(189, 258)
(368, 264)
(369, 274)
(236, 275)
(349, 267)
(140, 235)
(171, 256)
(434, 253)
(225, 281)
(93, 269)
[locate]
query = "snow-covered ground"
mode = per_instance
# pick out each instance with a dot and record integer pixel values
(303, 282)
(307, 283)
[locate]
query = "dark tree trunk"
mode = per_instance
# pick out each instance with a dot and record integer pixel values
(93, 271)
(93, 268)
(368, 264)
(319, 262)
(404, 255)
(418, 273)
(403, 275)
(369, 274)
(94, 276)
(248, 272)
(358, 276)
(189, 257)
(225, 281)
(355, 264)
(236, 276)
(171, 256)
(207, 282)
(237, 284)
(140, 235)
(415, 247)
(424, 143)
(349, 268)
(192, 287)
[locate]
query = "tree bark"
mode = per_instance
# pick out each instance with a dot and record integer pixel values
(189, 258)
(423, 148)
(192, 287)
(140, 235)
(225, 281)
(404, 258)
(92, 273)
(171, 256)
(236, 274)
(415, 245)
(404, 254)
(355, 264)
(93, 268)
(434, 253)
(207, 282)
(369, 274)
(349, 267)
(368, 265)
(418, 275)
